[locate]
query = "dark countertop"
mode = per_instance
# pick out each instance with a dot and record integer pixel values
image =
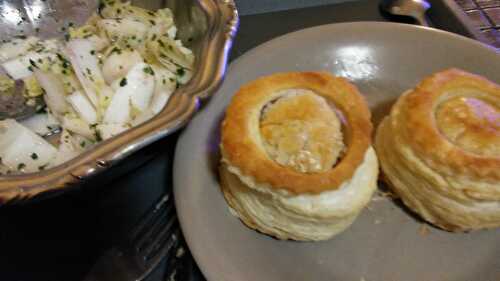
(61, 238)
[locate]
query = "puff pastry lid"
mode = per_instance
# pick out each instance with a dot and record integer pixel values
(452, 121)
(303, 132)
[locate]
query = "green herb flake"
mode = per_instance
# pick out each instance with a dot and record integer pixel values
(149, 70)
(123, 82)
(92, 52)
(33, 63)
(82, 144)
(116, 50)
(181, 71)
(34, 156)
(98, 136)
(152, 22)
(101, 7)
(21, 166)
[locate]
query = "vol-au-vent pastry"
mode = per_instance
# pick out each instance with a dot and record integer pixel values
(297, 161)
(439, 150)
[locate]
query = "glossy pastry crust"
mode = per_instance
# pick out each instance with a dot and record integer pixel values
(242, 143)
(440, 150)
(297, 161)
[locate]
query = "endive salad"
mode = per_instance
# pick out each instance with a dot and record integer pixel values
(115, 72)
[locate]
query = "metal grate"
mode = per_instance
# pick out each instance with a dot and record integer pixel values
(485, 15)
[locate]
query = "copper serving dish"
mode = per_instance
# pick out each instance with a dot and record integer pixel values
(210, 25)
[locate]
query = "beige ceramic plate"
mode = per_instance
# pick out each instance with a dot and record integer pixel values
(385, 243)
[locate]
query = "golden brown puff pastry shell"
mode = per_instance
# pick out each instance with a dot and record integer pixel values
(440, 150)
(297, 161)
(242, 142)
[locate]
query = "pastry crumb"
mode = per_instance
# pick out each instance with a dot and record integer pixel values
(424, 230)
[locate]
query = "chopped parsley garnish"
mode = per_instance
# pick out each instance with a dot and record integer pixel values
(66, 37)
(149, 70)
(33, 63)
(98, 137)
(152, 22)
(34, 156)
(123, 82)
(116, 50)
(181, 71)
(21, 166)
(92, 52)
(82, 143)
(101, 7)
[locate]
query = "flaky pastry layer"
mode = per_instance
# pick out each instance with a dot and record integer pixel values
(438, 150)
(305, 217)
(242, 142)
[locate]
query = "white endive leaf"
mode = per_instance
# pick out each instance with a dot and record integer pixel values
(41, 123)
(136, 90)
(16, 47)
(21, 149)
(118, 64)
(81, 53)
(83, 107)
(55, 97)
(23, 66)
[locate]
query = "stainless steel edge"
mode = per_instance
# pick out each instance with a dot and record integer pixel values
(449, 16)
(221, 19)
